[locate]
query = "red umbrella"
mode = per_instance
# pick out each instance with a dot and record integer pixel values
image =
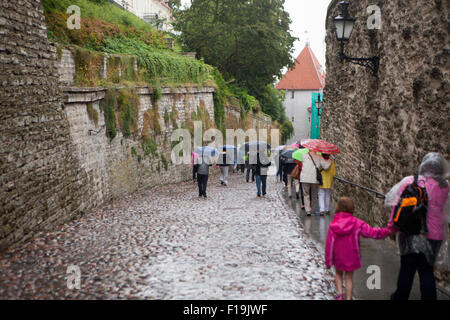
(320, 146)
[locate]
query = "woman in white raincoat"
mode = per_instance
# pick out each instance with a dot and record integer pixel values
(419, 252)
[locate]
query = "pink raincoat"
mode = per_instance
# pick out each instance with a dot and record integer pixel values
(342, 247)
(437, 198)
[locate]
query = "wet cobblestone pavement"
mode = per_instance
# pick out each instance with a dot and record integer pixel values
(166, 243)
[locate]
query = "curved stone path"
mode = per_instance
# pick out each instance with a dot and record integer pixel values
(166, 243)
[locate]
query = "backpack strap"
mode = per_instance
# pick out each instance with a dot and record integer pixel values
(312, 160)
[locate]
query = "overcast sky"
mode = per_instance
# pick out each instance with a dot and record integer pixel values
(307, 16)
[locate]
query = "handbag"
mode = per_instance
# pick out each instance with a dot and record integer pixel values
(296, 173)
(318, 172)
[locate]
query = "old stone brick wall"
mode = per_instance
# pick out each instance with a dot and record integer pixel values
(56, 162)
(113, 169)
(41, 181)
(386, 125)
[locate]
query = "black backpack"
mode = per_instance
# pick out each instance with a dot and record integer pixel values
(410, 213)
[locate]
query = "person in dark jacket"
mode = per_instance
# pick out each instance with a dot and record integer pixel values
(280, 167)
(194, 157)
(288, 166)
(225, 160)
(249, 167)
(261, 167)
(202, 174)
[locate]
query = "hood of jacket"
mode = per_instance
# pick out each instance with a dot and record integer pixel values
(343, 223)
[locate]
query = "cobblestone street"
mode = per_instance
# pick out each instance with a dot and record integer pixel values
(166, 243)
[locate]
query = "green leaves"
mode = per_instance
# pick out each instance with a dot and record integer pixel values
(248, 41)
(159, 64)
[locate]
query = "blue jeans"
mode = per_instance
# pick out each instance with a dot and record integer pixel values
(261, 180)
(248, 174)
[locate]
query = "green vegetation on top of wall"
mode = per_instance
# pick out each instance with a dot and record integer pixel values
(108, 28)
(166, 66)
(101, 10)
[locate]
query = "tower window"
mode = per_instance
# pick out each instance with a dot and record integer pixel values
(292, 94)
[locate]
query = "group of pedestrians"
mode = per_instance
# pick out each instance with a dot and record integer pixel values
(303, 175)
(342, 249)
(418, 251)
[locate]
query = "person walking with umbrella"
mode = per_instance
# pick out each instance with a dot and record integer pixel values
(224, 164)
(204, 162)
(260, 163)
(249, 167)
(288, 166)
(312, 165)
(194, 157)
(419, 252)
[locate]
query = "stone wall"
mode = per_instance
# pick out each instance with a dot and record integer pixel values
(113, 168)
(386, 125)
(41, 181)
(56, 161)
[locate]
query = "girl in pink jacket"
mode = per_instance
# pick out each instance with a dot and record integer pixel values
(342, 246)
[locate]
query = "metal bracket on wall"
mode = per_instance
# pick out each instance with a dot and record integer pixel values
(90, 131)
(373, 63)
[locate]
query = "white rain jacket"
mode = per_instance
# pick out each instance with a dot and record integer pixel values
(308, 174)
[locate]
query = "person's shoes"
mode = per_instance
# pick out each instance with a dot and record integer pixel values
(221, 182)
(200, 195)
(258, 195)
(321, 214)
(204, 195)
(303, 207)
(308, 214)
(264, 194)
(225, 184)
(339, 297)
(290, 196)
(247, 181)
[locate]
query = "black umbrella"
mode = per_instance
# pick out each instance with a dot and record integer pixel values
(286, 156)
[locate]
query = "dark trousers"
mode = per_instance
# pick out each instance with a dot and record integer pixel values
(280, 172)
(248, 174)
(202, 180)
(194, 171)
(285, 174)
(409, 264)
(301, 194)
(261, 181)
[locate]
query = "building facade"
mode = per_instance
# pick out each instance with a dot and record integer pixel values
(151, 11)
(299, 83)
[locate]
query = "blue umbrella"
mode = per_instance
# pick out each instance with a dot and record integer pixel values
(207, 151)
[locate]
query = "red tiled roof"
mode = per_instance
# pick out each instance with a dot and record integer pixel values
(307, 73)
